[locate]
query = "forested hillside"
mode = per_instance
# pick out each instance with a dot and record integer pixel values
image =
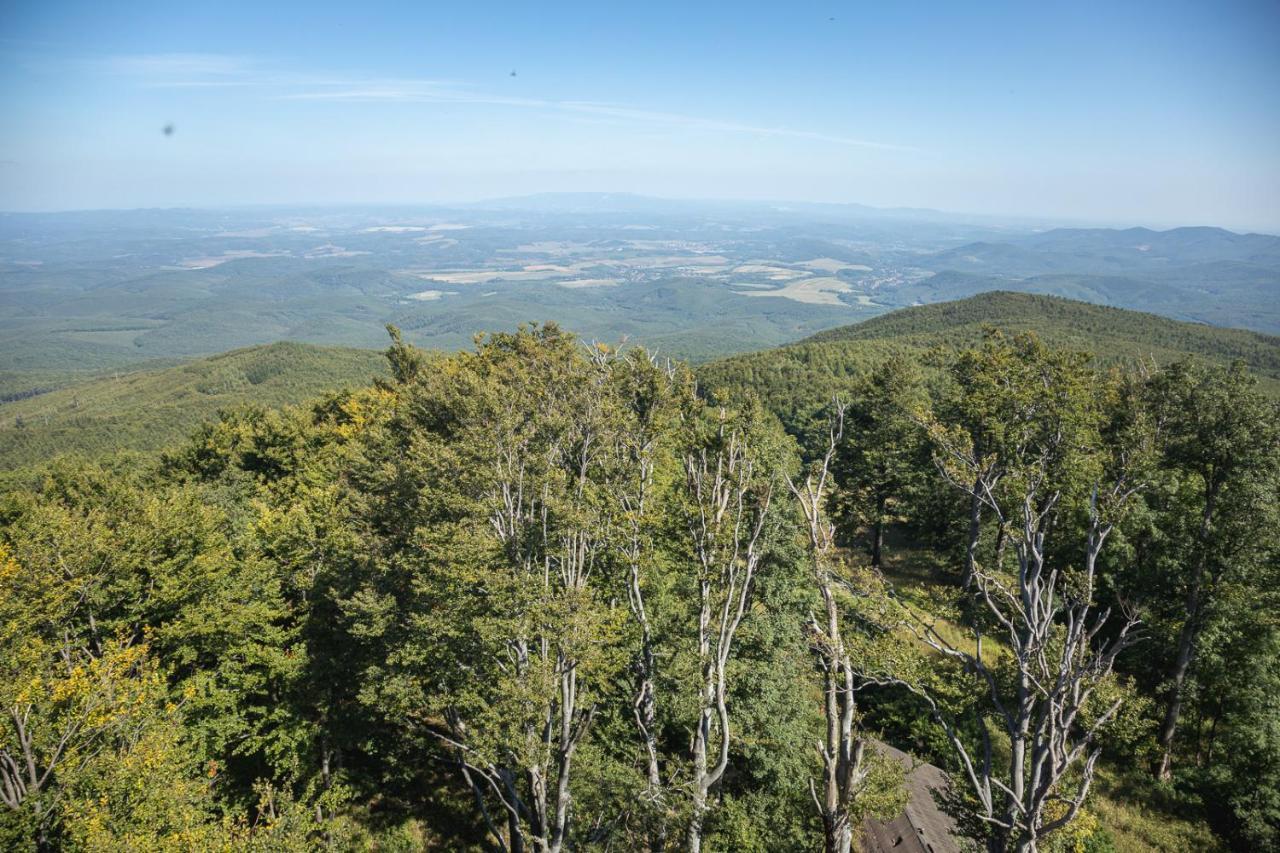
(150, 410)
(548, 596)
(799, 379)
(1108, 332)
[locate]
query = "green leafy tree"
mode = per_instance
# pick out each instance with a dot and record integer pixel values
(503, 631)
(884, 455)
(1221, 453)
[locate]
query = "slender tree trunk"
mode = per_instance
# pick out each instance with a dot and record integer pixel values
(646, 714)
(877, 542)
(694, 836)
(975, 528)
(703, 734)
(515, 832)
(1181, 666)
(842, 767)
(1186, 640)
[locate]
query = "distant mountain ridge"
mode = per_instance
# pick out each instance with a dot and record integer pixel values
(1201, 274)
(1198, 239)
(626, 202)
(1105, 249)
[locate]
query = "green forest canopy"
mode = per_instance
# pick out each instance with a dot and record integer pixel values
(547, 596)
(149, 410)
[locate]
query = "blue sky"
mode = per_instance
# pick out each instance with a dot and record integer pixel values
(1162, 113)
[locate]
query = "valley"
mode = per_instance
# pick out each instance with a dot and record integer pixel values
(92, 293)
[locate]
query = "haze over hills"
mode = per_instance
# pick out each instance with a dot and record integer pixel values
(86, 292)
(635, 203)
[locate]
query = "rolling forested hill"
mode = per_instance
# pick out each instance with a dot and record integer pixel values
(1109, 332)
(152, 409)
(798, 377)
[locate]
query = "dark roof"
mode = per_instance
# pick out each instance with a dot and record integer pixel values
(922, 827)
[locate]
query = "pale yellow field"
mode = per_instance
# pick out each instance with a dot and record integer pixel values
(208, 262)
(815, 291)
(588, 282)
(832, 265)
(331, 251)
(775, 273)
(550, 247)
(714, 261)
(482, 276)
(436, 241)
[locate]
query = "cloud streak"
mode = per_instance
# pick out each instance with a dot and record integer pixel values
(215, 70)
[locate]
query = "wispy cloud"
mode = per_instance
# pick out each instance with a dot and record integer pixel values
(182, 70)
(427, 91)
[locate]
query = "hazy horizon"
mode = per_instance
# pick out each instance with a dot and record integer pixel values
(1156, 114)
(923, 214)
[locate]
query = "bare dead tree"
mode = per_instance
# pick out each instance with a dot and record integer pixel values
(729, 503)
(1060, 656)
(842, 748)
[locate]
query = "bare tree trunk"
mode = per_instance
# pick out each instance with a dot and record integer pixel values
(975, 529)
(1181, 666)
(1052, 630)
(515, 832)
(877, 538)
(843, 771)
(644, 706)
(693, 837)
(730, 502)
(837, 833)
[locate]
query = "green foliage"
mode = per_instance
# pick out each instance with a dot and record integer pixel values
(395, 616)
(154, 409)
(797, 381)
(881, 465)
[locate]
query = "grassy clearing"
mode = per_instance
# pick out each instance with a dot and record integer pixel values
(1139, 820)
